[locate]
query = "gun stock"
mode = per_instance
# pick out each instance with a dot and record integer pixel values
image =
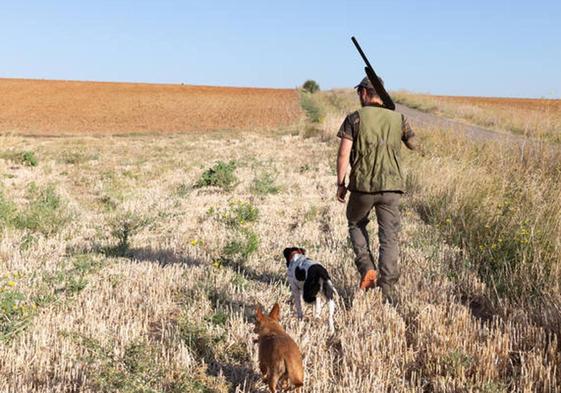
(371, 74)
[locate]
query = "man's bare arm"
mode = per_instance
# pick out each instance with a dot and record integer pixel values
(343, 159)
(342, 163)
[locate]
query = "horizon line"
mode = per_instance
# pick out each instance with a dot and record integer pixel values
(179, 84)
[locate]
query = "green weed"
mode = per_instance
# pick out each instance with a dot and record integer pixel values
(136, 370)
(239, 282)
(123, 226)
(312, 107)
(45, 212)
(17, 308)
(15, 311)
(264, 184)
(70, 280)
(219, 318)
(27, 241)
(197, 338)
(245, 244)
(26, 158)
(221, 175)
(240, 213)
(8, 211)
(457, 362)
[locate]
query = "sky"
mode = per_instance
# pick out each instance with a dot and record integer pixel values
(482, 48)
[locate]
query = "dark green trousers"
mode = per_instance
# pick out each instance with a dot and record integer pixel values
(386, 206)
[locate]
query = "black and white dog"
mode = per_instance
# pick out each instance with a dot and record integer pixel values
(308, 278)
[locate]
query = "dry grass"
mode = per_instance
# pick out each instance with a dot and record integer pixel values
(40, 107)
(169, 306)
(537, 118)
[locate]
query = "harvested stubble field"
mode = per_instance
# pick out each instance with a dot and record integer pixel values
(41, 107)
(133, 264)
(536, 118)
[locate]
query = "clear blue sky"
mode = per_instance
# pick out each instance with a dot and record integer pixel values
(494, 48)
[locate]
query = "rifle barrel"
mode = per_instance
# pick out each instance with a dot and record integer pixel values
(361, 52)
(378, 86)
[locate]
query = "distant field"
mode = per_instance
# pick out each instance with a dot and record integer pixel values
(539, 118)
(509, 103)
(38, 107)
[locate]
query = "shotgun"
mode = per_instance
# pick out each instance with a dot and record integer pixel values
(378, 86)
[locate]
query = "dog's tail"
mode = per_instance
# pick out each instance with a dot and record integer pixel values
(328, 290)
(295, 372)
(314, 279)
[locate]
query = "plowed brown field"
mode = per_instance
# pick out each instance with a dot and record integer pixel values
(528, 104)
(42, 107)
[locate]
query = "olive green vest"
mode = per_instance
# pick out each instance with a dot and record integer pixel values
(376, 162)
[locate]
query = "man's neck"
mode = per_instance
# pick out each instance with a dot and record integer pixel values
(374, 103)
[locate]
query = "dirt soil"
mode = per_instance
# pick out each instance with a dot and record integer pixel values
(43, 107)
(418, 118)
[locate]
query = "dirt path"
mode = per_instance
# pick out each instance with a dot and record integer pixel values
(418, 118)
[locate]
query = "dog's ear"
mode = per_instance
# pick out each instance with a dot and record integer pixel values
(275, 312)
(287, 251)
(302, 251)
(259, 313)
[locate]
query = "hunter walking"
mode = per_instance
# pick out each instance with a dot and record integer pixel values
(370, 140)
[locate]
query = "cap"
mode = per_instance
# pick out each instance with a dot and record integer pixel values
(365, 82)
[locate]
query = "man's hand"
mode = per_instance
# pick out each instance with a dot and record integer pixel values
(341, 193)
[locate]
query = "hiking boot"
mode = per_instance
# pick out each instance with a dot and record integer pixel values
(389, 294)
(368, 280)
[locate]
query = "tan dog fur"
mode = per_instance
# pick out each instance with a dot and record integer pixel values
(279, 356)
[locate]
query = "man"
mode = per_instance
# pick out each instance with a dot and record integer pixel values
(371, 142)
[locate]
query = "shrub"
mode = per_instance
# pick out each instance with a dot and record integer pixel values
(238, 214)
(313, 108)
(219, 318)
(7, 210)
(220, 175)
(242, 212)
(264, 184)
(14, 311)
(18, 308)
(123, 227)
(197, 337)
(136, 369)
(243, 246)
(310, 86)
(26, 158)
(45, 212)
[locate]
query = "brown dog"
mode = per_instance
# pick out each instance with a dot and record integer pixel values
(279, 356)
